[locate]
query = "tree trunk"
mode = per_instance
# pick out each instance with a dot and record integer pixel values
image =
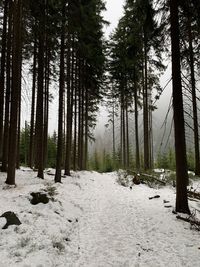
(31, 145)
(61, 94)
(113, 134)
(86, 129)
(75, 117)
(2, 73)
(123, 133)
(137, 151)
(8, 90)
(68, 151)
(127, 137)
(80, 116)
(180, 146)
(19, 123)
(145, 112)
(40, 100)
(16, 72)
(46, 104)
(194, 100)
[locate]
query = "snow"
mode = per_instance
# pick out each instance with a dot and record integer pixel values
(93, 222)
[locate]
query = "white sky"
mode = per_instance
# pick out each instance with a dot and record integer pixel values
(113, 14)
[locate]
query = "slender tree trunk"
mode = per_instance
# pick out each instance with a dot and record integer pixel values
(46, 105)
(8, 90)
(145, 112)
(86, 129)
(40, 100)
(123, 132)
(61, 94)
(83, 113)
(75, 117)
(127, 137)
(80, 118)
(31, 145)
(137, 151)
(121, 135)
(113, 134)
(2, 73)
(151, 155)
(16, 72)
(194, 101)
(68, 150)
(180, 146)
(19, 123)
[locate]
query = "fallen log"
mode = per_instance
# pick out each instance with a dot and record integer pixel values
(147, 176)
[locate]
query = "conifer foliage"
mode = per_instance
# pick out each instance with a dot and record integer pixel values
(64, 41)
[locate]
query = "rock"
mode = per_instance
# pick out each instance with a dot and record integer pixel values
(136, 180)
(39, 197)
(11, 218)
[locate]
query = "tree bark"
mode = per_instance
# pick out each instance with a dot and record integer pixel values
(16, 72)
(2, 73)
(137, 151)
(40, 96)
(31, 145)
(146, 112)
(180, 146)
(68, 150)
(61, 94)
(8, 91)
(194, 100)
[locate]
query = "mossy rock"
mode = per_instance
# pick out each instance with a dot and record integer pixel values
(39, 197)
(11, 218)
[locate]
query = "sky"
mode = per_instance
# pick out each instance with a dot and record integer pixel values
(113, 14)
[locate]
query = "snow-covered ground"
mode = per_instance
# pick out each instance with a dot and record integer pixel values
(93, 221)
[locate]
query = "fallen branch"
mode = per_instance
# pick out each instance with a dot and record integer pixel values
(157, 196)
(191, 220)
(153, 177)
(193, 194)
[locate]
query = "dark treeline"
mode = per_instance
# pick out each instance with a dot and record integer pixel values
(62, 42)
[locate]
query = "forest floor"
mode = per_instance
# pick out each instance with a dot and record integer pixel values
(92, 221)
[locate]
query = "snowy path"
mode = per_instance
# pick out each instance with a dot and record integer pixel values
(122, 227)
(93, 222)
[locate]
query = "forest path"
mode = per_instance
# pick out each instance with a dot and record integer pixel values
(121, 227)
